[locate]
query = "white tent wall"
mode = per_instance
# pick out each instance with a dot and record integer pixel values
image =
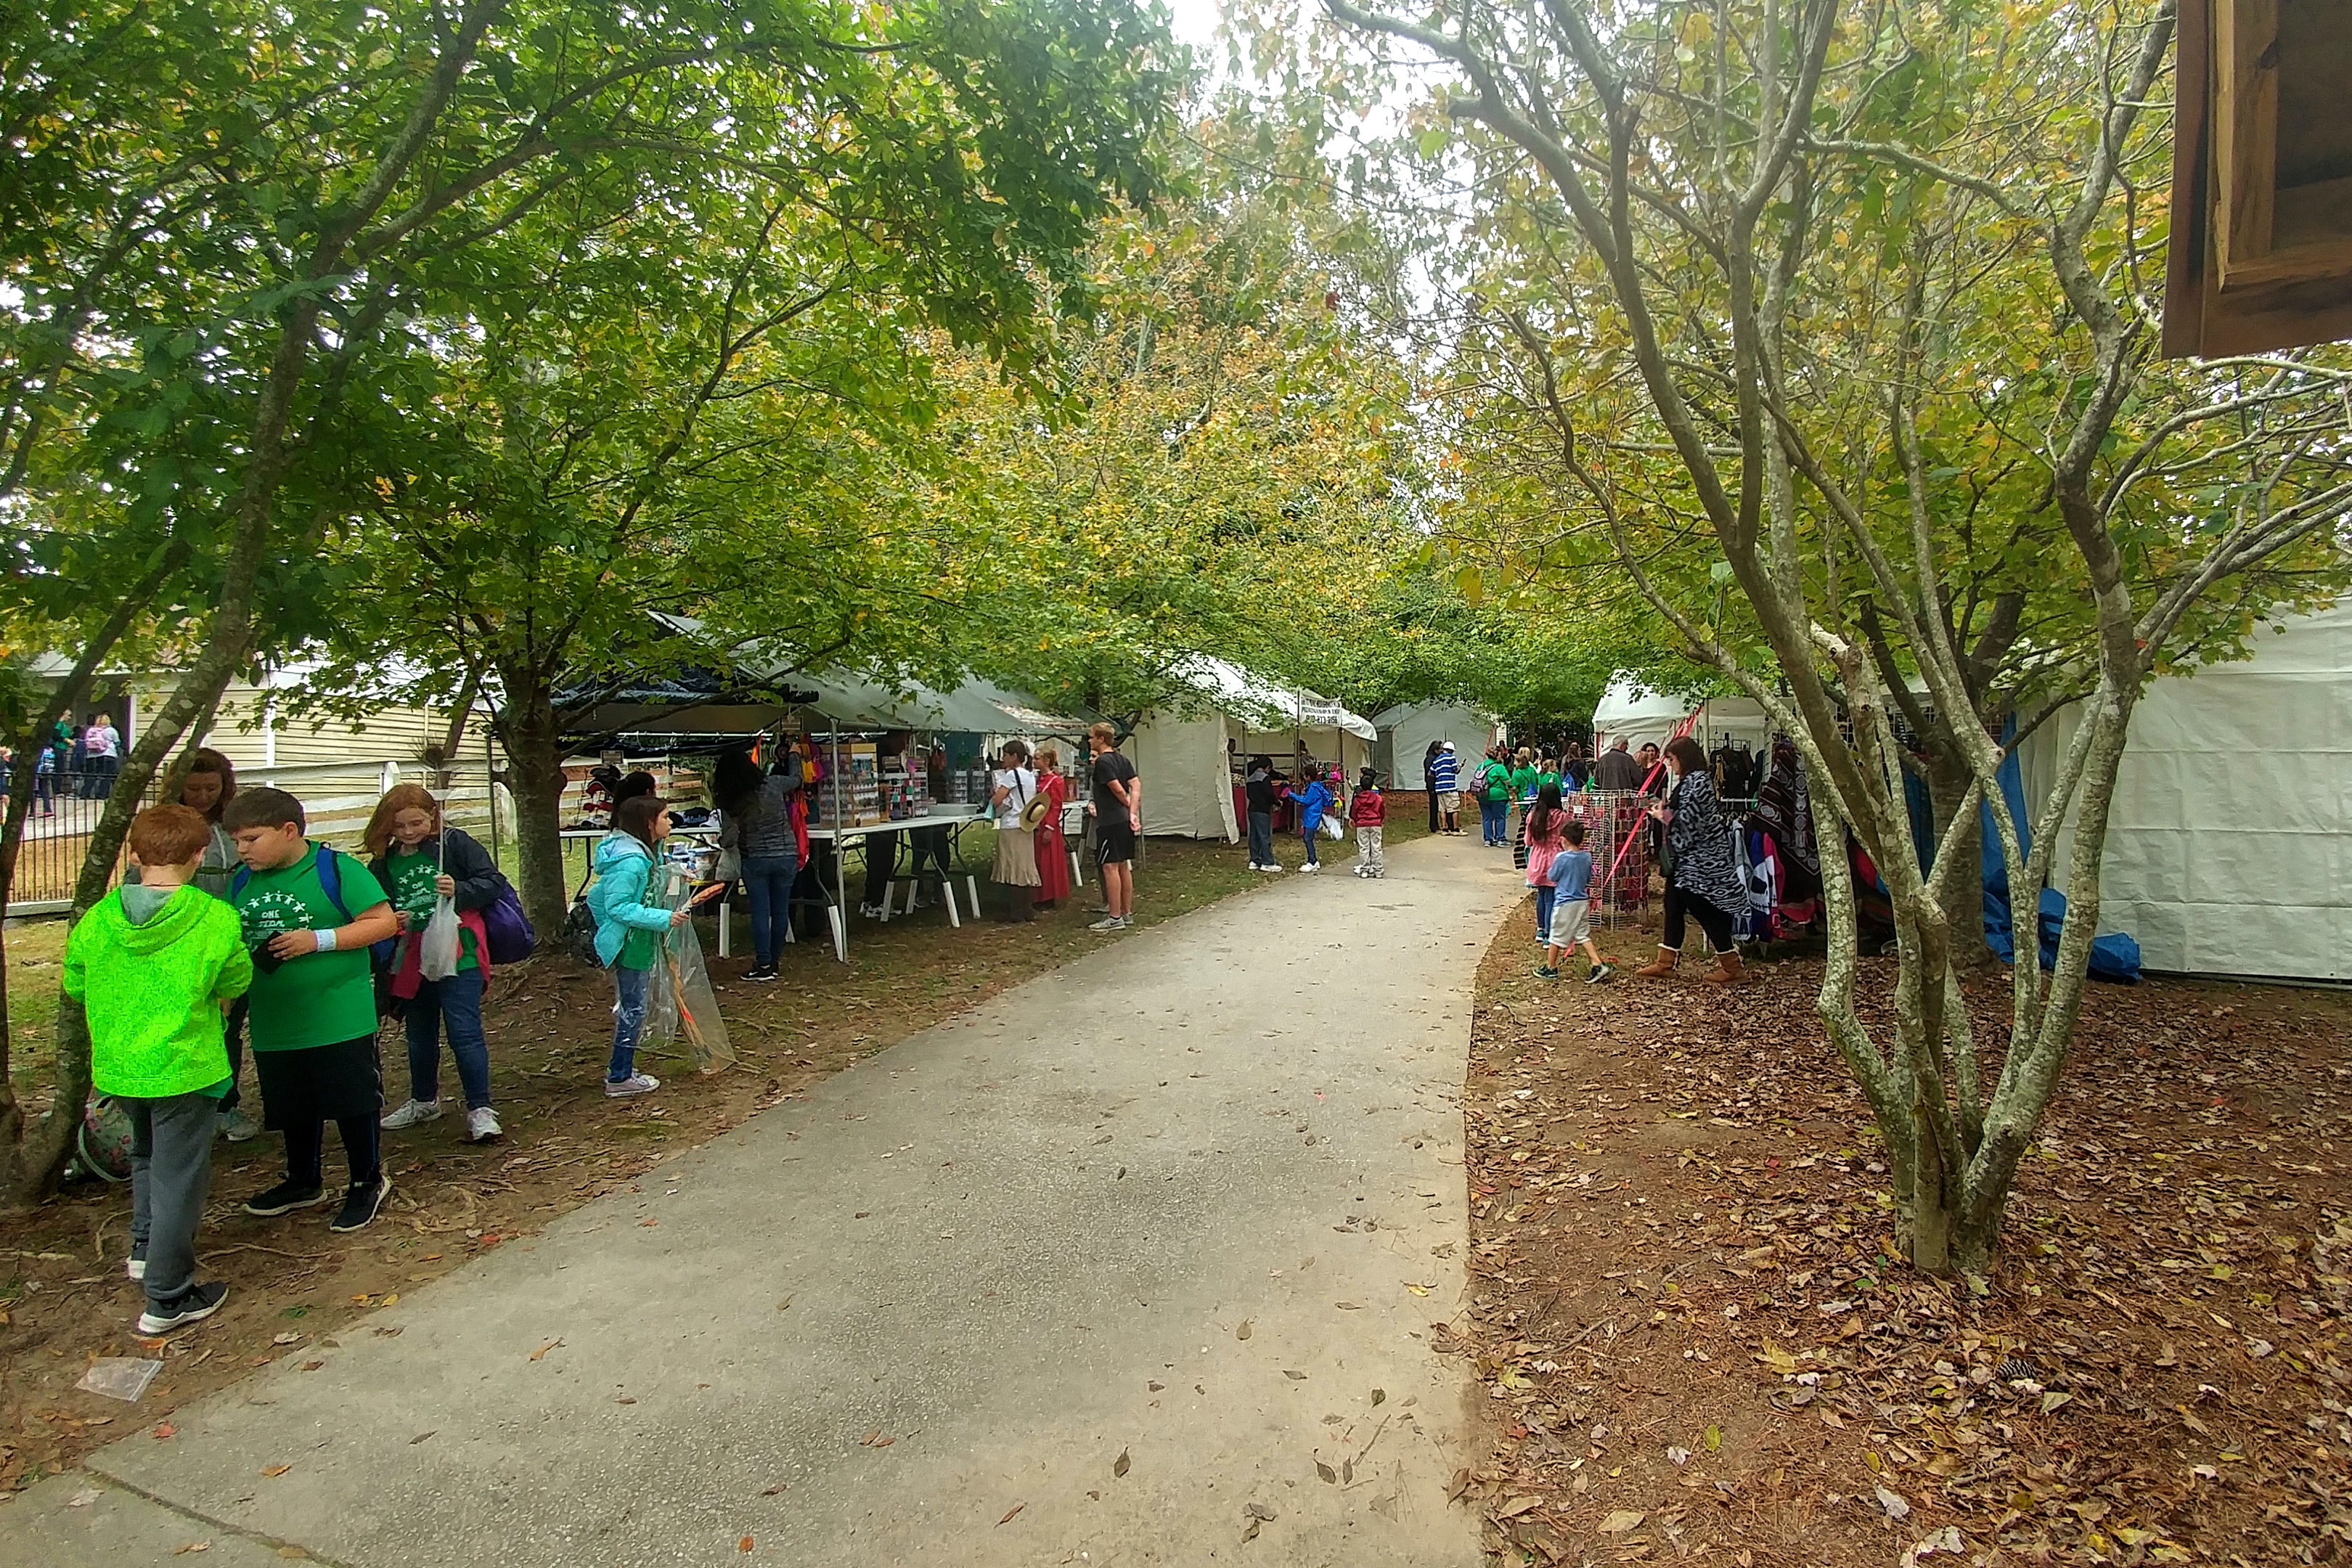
(1406, 731)
(1642, 716)
(1187, 781)
(2230, 840)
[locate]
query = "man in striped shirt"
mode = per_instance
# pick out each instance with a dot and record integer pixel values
(1445, 783)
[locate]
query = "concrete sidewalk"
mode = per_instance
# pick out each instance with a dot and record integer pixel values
(1122, 1267)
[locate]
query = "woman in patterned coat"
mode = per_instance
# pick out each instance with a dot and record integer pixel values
(1701, 880)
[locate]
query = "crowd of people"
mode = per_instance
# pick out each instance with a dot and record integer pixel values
(234, 928)
(76, 762)
(1689, 836)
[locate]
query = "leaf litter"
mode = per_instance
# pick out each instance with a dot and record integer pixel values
(1695, 1341)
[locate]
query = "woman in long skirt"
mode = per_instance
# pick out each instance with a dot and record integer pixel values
(1053, 853)
(1011, 787)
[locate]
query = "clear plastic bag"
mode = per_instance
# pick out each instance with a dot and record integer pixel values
(119, 1377)
(681, 1009)
(437, 951)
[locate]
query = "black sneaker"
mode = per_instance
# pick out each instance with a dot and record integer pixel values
(285, 1198)
(765, 972)
(361, 1200)
(193, 1305)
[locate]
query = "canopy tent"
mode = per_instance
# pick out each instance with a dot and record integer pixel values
(2230, 839)
(1407, 731)
(1184, 753)
(688, 704)
(974, 707)
(1641, 715)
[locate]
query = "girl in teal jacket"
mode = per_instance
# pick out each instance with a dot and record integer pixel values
(631, 927)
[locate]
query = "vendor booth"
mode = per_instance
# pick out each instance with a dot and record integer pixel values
(1640, 715)
(1190, 754)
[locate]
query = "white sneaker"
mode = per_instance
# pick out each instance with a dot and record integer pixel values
(1108, 922)
(414, 1113)
(1309, 869)
(869, 911)
(482, 1125)
(635, 1083)
(238, 1125)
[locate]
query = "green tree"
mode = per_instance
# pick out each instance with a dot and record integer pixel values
(233, 231)
(1852, 309)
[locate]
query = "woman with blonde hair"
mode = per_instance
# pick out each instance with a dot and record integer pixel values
(420, 859)
(1053, 853)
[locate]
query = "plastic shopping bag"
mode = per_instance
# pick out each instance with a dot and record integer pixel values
(437, 951)
(1332, 828)
(681, 1010)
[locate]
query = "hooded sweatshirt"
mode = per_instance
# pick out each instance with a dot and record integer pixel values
(628, 923)
(150, 970)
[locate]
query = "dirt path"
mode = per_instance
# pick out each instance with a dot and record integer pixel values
(1132, 1264)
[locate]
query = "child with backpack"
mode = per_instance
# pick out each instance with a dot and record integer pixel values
(420, 859)
(1368, 814)
(310, 915)
(154, 963)
(631, 926)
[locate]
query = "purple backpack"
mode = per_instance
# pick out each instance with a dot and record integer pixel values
(511, 939)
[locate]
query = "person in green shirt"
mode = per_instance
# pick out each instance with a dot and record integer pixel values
(310, 913)
(152, 965)
(1494, 800)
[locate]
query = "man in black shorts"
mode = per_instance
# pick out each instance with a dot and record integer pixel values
(1119, 818)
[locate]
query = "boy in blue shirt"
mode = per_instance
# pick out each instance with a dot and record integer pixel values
(1571, 909)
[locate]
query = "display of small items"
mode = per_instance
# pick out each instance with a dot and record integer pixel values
(847, 791)
(903, 789)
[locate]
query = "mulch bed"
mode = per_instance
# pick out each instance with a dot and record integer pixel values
(1695, 1344)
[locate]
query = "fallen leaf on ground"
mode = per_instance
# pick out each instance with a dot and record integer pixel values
(1329, 1475)
(1516, 1507)
(745, 1544)
(772, 1491)
(1622, 1520)
(1294, 1376)
(1894, 1504)
(1009, 1513)
(1257, 1511)
(1243, 1331)
(276, 1469)
(1120, 1465)
(192, 1546)
(542, 1350)
(164, 1429)
(1250, 1534)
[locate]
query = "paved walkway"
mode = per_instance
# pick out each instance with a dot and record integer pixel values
(1122, 1267)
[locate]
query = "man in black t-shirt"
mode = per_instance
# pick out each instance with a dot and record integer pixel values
(1119, 818)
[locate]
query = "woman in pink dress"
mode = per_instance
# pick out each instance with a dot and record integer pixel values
(1052, 855)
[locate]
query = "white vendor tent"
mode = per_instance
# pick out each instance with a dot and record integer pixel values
(1407, 730)
(2230, 839)
(1642, 715)
(1184, 753)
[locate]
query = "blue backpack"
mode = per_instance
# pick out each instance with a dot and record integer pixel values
(330, 880)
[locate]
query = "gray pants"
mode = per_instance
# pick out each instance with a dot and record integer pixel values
(171, 1174)
(1368, 858)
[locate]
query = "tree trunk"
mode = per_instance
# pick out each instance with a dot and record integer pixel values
(1924, 1218)
(1959, 833)
(526, 727)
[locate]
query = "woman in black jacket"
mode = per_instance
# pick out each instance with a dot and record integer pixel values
(420, 859)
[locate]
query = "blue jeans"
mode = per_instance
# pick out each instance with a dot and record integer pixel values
(1544, 897)
(1261, 827)
(1492, 817)
(457, 1001)
(1314, 832)
(769, 880)
(628, 1021)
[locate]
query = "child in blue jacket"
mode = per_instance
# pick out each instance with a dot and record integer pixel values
(632, 923)
(1313, 801)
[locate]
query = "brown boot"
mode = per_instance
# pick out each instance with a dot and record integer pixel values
(1664, 966)
(1726, 970)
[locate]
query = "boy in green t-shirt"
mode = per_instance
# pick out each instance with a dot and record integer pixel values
(152, 966)
(309, 914)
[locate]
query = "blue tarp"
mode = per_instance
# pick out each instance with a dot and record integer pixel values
(2113, 957)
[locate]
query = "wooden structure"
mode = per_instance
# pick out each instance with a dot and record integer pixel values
(2261, 246)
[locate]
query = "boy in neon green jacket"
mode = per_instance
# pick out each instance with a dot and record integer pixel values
(153, 965)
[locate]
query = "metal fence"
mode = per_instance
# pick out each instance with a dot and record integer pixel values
(337, 799)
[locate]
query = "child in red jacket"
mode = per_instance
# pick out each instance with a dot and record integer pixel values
(1366, 815)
